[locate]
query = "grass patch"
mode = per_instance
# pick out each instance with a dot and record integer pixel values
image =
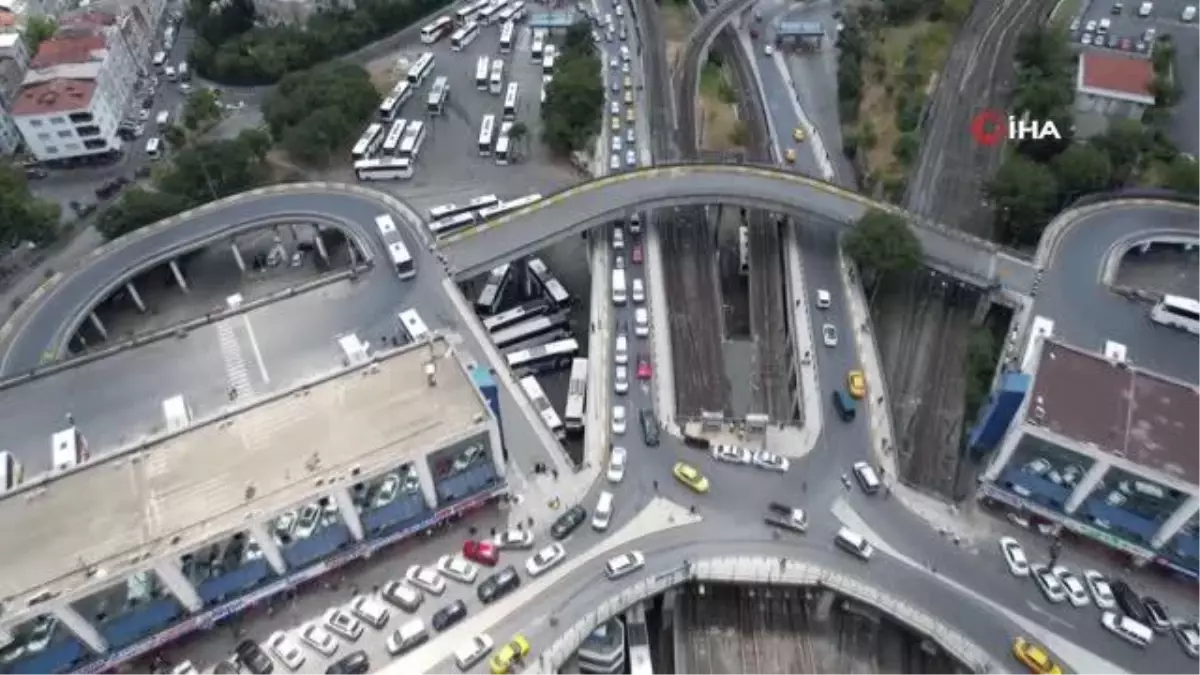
(677, 24)
(720, 130)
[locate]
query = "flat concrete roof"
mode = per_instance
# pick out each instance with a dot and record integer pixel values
(1143, 417)
(69, 531)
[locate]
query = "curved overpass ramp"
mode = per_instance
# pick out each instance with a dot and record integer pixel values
(595, 202)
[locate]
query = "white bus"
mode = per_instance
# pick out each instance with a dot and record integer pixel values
(383, 168)
(510, 317)
(1178, 312)
(402, 260)
(414, 137)
(420, 70)
(448, 226)
(11, 473)
(744, 250)
(487, 14)
(504, 208)
(390, 106)
(464, 36)
(549, 285)
(576, 397)
(483, 66)
(506, 36)
(533, 391)
(510, 101)
(154, 148)
(392, 142)
(487, 132)
(464, 15)
(496, 81)
(539, 44)
(502, 145)
(548, 62)
(414, 328)
(436, 29)
(368, 143)
(67, 449)
(493, 291)
(450, 210)
(505, 338)
(543, 359)
(514, 13)
(176, 413)
(438, 93)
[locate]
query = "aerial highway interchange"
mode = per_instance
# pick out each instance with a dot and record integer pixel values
(961, 596)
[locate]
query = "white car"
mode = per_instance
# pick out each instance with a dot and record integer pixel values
(456, 568)
(630, 158)
(630, 136)
(829, 335)
(426, 579)
(286, 650)
(624, 564)
(614, 163)
(616, 465)
(1076, 593)
(624, 68)
(769, 50)
(731, 454)
(614, 63)
(514, 539)
(1014, 557)
(618, 420)
(319, 639)
(544, 559)
(1049, 584)
(621, 380)
(770, 461)
(1102, 593)
(339, 621)
(824, 299)
(616, 143)
(306, 524)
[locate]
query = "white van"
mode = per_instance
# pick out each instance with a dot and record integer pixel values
(159, 59)
(1127, 629)
(169, 71)
(1189, 14)
(639, 291)
(407, 637)
(602, 515)
(618, 233)
(162, 118)
(635, 221)
(868, 480)
(625, 53)
(854, 543)
(369, 609)
(621, 352)
(619, 295)
(466, 656)
(154, 148)
(641, 322)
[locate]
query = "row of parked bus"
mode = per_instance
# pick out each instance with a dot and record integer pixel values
(389, 146)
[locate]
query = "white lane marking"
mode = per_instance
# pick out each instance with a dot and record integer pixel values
(231, 356)
(1046, 613)
(258, 358)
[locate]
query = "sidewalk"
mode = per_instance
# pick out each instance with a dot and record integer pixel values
(810, 388)
(880, 417)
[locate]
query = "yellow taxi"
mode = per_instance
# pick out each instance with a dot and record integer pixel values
(1035, 658)
(630, 115)
(798, 134)
(790, 155)
(689, 476)
(514, 652)
(856, 383)
(615, 124)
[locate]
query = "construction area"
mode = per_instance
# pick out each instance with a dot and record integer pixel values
(708, 628)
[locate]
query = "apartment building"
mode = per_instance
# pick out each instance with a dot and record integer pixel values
(14, 61)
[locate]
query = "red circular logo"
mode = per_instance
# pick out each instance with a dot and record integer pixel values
(989, 127)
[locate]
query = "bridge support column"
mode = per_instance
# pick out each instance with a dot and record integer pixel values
(179, 276)
(349, 514)
(137, 297)
(1146, 247)
(98, 325)
(982, 305)
(1175, 522)
(267, 545)
(1086, 484)
(292, 229)
(237, 256)
(425, 476)
(172, 577)
(823, 605)
(82, 628)
(319, 243)
(1188, 248)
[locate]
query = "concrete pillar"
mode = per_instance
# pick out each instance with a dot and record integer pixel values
(137, 297)
(982, 305)
(349, 513)
(180, 586)
(96, 323)
(1182, 515)
(319, 242)
(1146, 247)
(1086, 484)
(425, 476)
(292, 229)
(497, 445)
(82, 628)
(1007, 447)
(237, 256)
(823, 607)
(179, 276)
(266, 543)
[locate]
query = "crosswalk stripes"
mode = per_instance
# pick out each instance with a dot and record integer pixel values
(235, 365)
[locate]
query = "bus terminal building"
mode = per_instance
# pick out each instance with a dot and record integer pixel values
(1107, 450)
(115, 557)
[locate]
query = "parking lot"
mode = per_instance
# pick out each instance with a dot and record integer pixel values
(1133, 27)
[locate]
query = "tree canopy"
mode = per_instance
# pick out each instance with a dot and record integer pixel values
(22, 216)
(316, 112)
(883, 242)
(1024, 194)
(201, 108)
(232, 48)
(574, 106)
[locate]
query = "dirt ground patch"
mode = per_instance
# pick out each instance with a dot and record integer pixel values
(720, 128)
(677, 24)
(386, 71)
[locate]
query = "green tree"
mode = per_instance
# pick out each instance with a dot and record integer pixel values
(317, 112)
(215, 169)
(1081, 169)
(1182, 175)
(38, 29)
(138, 208)
(1024, 194)
(175, 136)
(882, 242)
(200, 108)
(518, 134)
(574, 105)
(22, 216)
(1123, 142)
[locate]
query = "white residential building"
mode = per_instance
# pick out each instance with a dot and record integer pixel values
(77, 89)
(14, 60)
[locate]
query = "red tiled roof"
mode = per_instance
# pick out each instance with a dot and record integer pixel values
(7, 18)
(59, 95)
(59, 50)
(1117, 73)
(93, 18)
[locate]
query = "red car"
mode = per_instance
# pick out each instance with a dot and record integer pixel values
(637, 254)
(482, 552)
(644, 372)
